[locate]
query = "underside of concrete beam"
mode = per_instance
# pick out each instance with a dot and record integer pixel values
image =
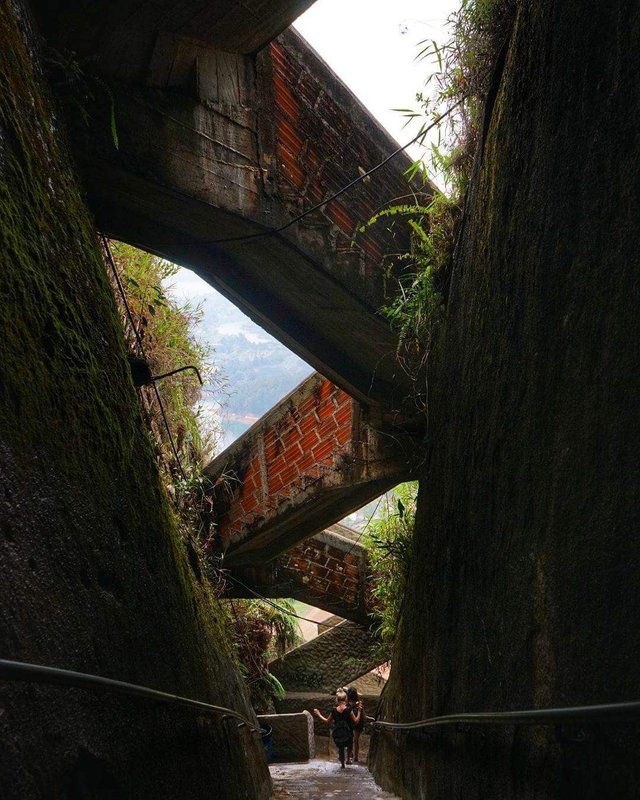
(312, 459)
(215, 147)
(121, 34)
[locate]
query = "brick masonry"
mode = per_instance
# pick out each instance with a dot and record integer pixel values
(329, 566)
(301, 446)
(328, 571)
(313, 458)
(288, 133)
(316, 148)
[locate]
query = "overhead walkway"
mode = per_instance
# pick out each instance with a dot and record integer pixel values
(328, 571)
(315, 457)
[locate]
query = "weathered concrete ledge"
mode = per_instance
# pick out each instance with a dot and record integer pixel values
(121, 34)
(292, 736)
(214, 146)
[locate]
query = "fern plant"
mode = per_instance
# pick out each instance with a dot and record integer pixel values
(261, 632)
(454, 97)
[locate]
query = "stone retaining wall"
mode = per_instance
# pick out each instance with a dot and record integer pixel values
(335, 658)
(292, 736)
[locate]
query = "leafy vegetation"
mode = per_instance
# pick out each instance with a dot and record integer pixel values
(81, 92)
(166, 330)
(417, 306)
(262, 632)
(457, 89)
(167, 333)
(455, 95)
(388, 542)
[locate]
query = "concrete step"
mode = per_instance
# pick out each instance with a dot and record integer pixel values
(322, 779)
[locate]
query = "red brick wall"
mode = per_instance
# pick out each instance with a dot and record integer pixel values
(304, 444)
(326, 570)
(324, 141)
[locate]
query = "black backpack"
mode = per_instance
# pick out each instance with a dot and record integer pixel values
(341, 731)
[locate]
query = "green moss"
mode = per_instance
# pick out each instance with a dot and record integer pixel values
(61, 357)
(66, 393)
(95, 576)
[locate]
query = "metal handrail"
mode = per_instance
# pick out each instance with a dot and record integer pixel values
(175, 372)
(540, 716)
(35, 673)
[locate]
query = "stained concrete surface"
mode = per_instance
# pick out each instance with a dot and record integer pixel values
(323, 778)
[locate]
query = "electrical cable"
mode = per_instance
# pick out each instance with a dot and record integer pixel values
(283, 589)
(270, 602)
(136, 333)
(363, 531)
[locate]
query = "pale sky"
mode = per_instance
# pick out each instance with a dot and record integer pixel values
(372, 44)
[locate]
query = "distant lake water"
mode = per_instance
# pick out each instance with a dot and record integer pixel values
(241, 328)
(231, 426)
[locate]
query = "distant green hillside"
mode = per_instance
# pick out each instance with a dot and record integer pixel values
(259, 370)
(259, 374)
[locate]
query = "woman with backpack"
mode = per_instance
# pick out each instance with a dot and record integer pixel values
(344, 720)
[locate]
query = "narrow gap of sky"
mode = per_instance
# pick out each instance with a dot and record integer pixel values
(372, 46)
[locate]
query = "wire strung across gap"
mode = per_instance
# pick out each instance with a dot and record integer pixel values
(284, 587)
(136, 333)
(340, 192)
(368, 522)
(262, 234)
(270, 602)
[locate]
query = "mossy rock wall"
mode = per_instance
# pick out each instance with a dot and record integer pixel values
(524, 583)
(92, 575)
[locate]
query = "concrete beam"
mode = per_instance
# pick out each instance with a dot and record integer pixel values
(328, 571)
(312, 459)
(117, 36)
(215, 146)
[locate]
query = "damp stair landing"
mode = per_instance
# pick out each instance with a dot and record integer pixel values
(323, 778)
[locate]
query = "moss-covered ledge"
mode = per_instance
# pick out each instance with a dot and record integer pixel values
(92, 575)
